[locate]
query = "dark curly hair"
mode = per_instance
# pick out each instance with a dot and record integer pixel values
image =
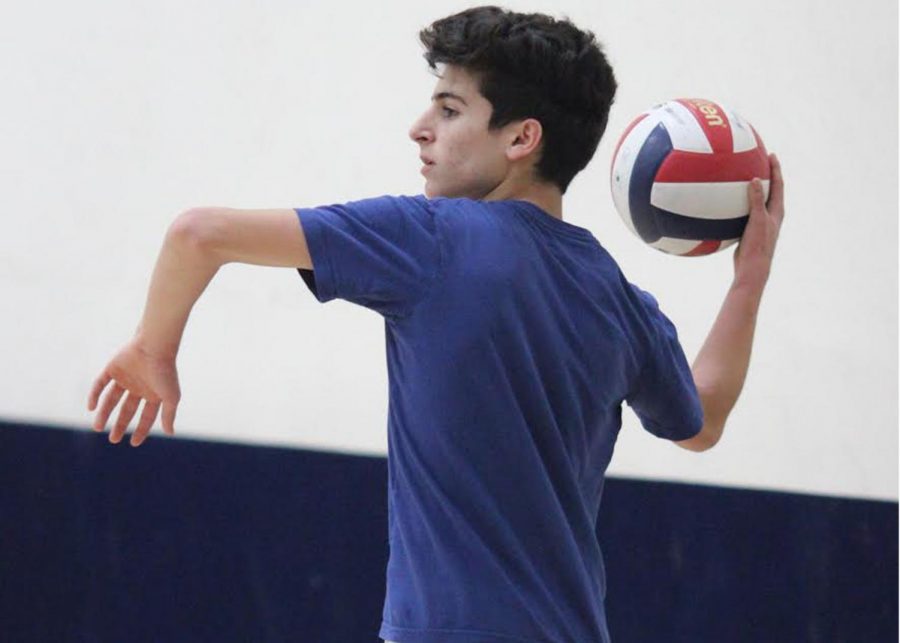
(533, 66)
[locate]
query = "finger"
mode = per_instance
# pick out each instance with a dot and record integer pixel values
(148, 415)
(776, 193)
(756, 197)
(168, 417)
(129, 407)
(110, 400)
(99, 384)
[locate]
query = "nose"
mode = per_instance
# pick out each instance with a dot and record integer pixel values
(420, 132)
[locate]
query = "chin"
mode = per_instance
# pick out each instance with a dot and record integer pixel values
(432, 191)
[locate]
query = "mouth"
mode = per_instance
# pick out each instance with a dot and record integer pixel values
(426, 160)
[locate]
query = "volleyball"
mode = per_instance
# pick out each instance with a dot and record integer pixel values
(680, 175)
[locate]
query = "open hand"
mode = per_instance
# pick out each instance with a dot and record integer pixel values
(753, 257)
(144, 376)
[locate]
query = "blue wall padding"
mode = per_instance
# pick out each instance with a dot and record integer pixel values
(187, 541)
(183, 540)
(692, 563)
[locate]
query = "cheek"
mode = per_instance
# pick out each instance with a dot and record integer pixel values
(461, 143)
(469, 163)
(455, 152)
(470, 155)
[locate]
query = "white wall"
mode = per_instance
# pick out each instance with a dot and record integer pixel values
(118, 116)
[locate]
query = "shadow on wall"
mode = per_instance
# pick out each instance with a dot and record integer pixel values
(183, 540)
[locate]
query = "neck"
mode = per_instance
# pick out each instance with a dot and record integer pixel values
(544, 195)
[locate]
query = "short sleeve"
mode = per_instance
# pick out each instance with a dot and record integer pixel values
(382, 253)
(665, 396)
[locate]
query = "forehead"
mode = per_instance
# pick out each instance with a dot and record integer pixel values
(458, 81)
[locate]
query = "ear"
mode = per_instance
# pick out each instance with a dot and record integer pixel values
(526, 138)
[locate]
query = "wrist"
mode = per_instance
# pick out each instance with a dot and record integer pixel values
(154, 345)
(751, 277)
(749, 290)
(751, 272)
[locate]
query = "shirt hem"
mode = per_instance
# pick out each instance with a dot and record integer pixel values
(431, 635)
(316, 243)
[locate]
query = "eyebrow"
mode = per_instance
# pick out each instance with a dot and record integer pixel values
(441, 95)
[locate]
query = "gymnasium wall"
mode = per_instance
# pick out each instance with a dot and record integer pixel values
(119, 116)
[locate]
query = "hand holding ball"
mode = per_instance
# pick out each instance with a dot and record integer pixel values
(680, 175)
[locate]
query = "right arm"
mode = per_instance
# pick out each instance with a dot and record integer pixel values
(196, 245)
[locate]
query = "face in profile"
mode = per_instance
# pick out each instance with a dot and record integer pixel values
(460, 156)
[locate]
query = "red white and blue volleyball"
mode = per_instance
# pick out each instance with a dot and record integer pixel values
(680, 176)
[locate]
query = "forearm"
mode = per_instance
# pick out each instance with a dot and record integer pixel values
(183, 271)
(721, 365)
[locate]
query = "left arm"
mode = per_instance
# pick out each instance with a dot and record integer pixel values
(721, 365)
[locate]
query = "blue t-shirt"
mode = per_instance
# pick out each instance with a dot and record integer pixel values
(512, 340)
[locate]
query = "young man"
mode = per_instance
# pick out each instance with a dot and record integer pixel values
(512, 336)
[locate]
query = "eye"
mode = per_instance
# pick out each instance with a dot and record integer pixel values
(448, 112)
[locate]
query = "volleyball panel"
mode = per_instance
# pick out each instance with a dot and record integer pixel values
(680, 176)
(690, 248)
(704, 200)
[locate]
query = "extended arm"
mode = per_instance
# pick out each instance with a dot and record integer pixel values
(183, 271)
(196, 245)
(721, 365)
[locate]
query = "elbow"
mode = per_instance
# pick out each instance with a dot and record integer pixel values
(709, 438)
(716, 408)
(706, 439)
(187, 226)
(195, 228)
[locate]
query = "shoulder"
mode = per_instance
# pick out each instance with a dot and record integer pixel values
(381, 213)
(390, 203)
(462, 205)
(468, 215)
